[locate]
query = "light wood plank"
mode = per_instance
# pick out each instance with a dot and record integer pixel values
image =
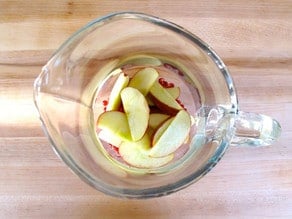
(254, 40)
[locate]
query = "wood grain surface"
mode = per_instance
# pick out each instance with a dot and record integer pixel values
(254, 38)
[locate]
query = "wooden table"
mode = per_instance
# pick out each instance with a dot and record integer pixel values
(254, 38)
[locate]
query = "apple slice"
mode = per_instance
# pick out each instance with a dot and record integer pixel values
(137, 111)
(142, 60)
(155, 119)
(163, 99)
(174, 92)
(137, 154)
(114, 98)
(159, 132)
(173, 137)
(144, 79)
(110, 138)
(115, 123)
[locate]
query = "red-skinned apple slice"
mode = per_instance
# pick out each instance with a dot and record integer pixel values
(137, 154)
(173, 137)
(114, 98)
(137, 111)
(144, 79)
(174, 92)
(156, 119)
(115, 123)
(163, 100)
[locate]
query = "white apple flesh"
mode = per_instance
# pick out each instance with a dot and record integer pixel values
(137, 111)
(173, 137)
(160, 130)
(115, 123)
(174, 92)
(156, 119)
(142, 60)
(144, 79)
(137, 154)
(110, 138)
(114, 98)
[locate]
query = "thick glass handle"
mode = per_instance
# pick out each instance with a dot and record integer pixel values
(253, 129)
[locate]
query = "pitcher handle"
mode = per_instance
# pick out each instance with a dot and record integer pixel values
(252, 129)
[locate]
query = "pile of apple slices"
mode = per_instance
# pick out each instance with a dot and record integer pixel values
(144, 139)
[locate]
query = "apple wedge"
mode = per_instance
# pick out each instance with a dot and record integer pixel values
(137, 154)
(156, 119)
(159, 132)
(173, 137)
(174, 92)
(163, 100)
(142, 60)
(114, 98)
(144, 79)
(110, 138)
(115, 123)
(137, 111)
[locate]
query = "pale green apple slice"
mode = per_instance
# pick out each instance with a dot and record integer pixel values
(114, 98)
(173, 137)
(156, 119)
(110, 138)
(174, 92)
(137, 111)
(163, 99)
(115, 123)
(137, 154)
(141, 60)
(144, 79)
(161, 129)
